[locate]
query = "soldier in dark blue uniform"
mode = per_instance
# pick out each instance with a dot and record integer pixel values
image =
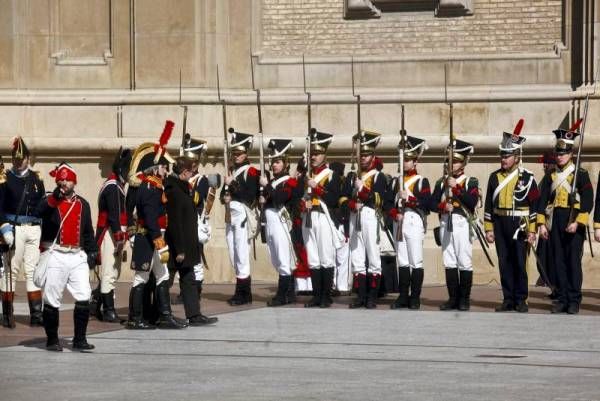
(111, 234)
(567, 227)
(457, 245)
(408, 207)
(20, 227)
(364, 197)
(319, 230)
(239, 195)
(280, 193)
(150, 251)
(510, 219)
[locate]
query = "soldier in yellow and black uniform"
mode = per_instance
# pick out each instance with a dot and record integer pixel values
(510, 219)
(566, 230)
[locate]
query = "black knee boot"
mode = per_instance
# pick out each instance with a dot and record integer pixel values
(291, 290)
(466, 282)
(199, 286)
(416, 284)
(280, 296)
(81, 315)
(243, 292)
(109, 314)
(452, 284)
(373, 282)
(316, 281)
(166, 320)
(136, 309)
(35, 308)
(403, 284)
(327, 287)
(50, 318)
(360, 283)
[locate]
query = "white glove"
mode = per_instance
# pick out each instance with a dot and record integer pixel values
(1, 271)
(7, 234)
(131, 240)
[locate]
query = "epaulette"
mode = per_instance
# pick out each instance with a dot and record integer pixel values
(39, 175)
(2, 176)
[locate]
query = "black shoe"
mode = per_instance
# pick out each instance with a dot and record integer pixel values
(82, 346)
(373, 283)
(36, 320)
(573, 309)
(54, 346)
(282, 288)
(170, 322)
(243, 293)
(466, 282)
(453, 289)
(558, 307)
(35, 309)
(506, 306)
(139, 325)
(201, 320)
(522, 307)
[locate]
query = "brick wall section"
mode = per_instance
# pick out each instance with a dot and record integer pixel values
(317, 27)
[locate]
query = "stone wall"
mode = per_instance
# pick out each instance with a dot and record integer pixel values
(316, 27)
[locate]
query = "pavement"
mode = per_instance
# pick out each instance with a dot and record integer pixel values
(293, 353)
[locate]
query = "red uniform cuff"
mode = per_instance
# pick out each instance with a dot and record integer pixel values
(319, 190)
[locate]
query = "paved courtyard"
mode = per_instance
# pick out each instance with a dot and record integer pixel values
(316, 354)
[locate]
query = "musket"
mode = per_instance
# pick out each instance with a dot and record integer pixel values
(356, 145)
(401, 147)
(308, 220)
(578, 161)
(450, 164)
(225, 146)
(185, 111)
(262, 218)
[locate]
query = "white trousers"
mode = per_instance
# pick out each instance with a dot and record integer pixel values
(25, 256)
(363, 243)
(457, 246)
(199, 271)
(278, 242)
(237, 241)
(342, 265)
(110, 269)
(161, 272)
(66, 269)
(409, 251)
(303, 284)
(318, 241)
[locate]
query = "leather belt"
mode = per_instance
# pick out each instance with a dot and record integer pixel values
(511, 213)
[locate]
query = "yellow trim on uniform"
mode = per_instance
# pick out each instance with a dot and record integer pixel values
(582, 218)
(541, 219)
(596, 225)
(532, 226)
(378, 201)
(506, 195)
(488, 226)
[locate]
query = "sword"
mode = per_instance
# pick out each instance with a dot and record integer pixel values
(541, 267)
(589, 238)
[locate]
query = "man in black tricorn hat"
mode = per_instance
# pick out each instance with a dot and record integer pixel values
(566, 230)
(20, 227)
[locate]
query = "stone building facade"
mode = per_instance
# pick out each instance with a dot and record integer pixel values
(79, 78)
